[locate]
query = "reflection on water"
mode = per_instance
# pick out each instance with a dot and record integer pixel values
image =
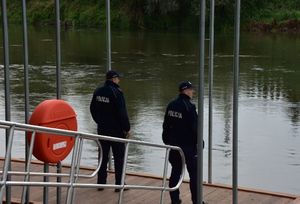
(153, 64)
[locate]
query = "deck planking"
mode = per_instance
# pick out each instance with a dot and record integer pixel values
(213, 194)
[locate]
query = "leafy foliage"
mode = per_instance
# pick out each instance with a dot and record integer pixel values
(153, 14)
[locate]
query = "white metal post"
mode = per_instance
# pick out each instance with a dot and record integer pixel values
(210, 82)
(6, 83)
(108, 35)
(26, 88)
(201, 104)
(235, 104)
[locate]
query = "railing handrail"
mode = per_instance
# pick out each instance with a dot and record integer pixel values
(31, 128)
(74, 168)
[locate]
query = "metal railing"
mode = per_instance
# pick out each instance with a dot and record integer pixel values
(73, 175)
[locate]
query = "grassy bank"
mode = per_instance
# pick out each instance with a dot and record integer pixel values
(279, 18)
(265, 16)
(91, 13)
(42, 12)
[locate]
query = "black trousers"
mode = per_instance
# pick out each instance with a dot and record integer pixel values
(191, 164)
(118, 153)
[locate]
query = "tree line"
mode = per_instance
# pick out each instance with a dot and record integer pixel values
(153, 14)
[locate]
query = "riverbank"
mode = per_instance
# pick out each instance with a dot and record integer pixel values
(288, 26)
(271, 16)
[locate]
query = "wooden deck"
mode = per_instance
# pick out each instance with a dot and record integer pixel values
(213, 194)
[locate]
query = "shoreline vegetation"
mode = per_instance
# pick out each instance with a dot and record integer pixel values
(256, 15)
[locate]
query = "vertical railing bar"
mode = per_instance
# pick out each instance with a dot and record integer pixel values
(7, 160)
(165, 175)
(201, 104)
(110, 160)
(6, 82)
(182, 166)
(100, 158)
(6, 60)
(58, 81)
(108, 61)
(58, 189)
(210, 81)
(25, 196)
(45, 189)
(58, 50)
(26, 84)
(123, 172)
(108, 35)
(79, 157)
(72, 170)
(25, 50)
(235, 104)
(77, 166)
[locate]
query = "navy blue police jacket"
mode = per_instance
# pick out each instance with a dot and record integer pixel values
(180, 123)
(108, 110)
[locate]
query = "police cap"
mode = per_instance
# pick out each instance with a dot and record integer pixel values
(185, 85)
(112, 74)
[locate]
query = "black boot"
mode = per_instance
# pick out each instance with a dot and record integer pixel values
(177, 202)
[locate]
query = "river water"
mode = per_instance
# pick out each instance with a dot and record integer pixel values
(153, 63)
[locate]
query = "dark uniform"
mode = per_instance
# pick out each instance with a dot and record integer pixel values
(108, 110)
(180, 129)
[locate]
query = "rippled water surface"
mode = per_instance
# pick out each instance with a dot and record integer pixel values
(152, 65)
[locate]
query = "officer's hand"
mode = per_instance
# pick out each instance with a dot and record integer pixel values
(127, 134)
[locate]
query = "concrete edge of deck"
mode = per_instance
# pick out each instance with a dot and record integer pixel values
(296, 198)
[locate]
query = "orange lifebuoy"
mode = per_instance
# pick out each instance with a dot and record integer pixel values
(51, 148)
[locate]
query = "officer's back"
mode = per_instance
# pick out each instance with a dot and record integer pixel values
(180, 123)
(109, 111)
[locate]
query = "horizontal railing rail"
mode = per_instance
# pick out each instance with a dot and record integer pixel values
(73, 175)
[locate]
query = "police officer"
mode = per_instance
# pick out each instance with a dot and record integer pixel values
(108, 110)
(180, 129)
